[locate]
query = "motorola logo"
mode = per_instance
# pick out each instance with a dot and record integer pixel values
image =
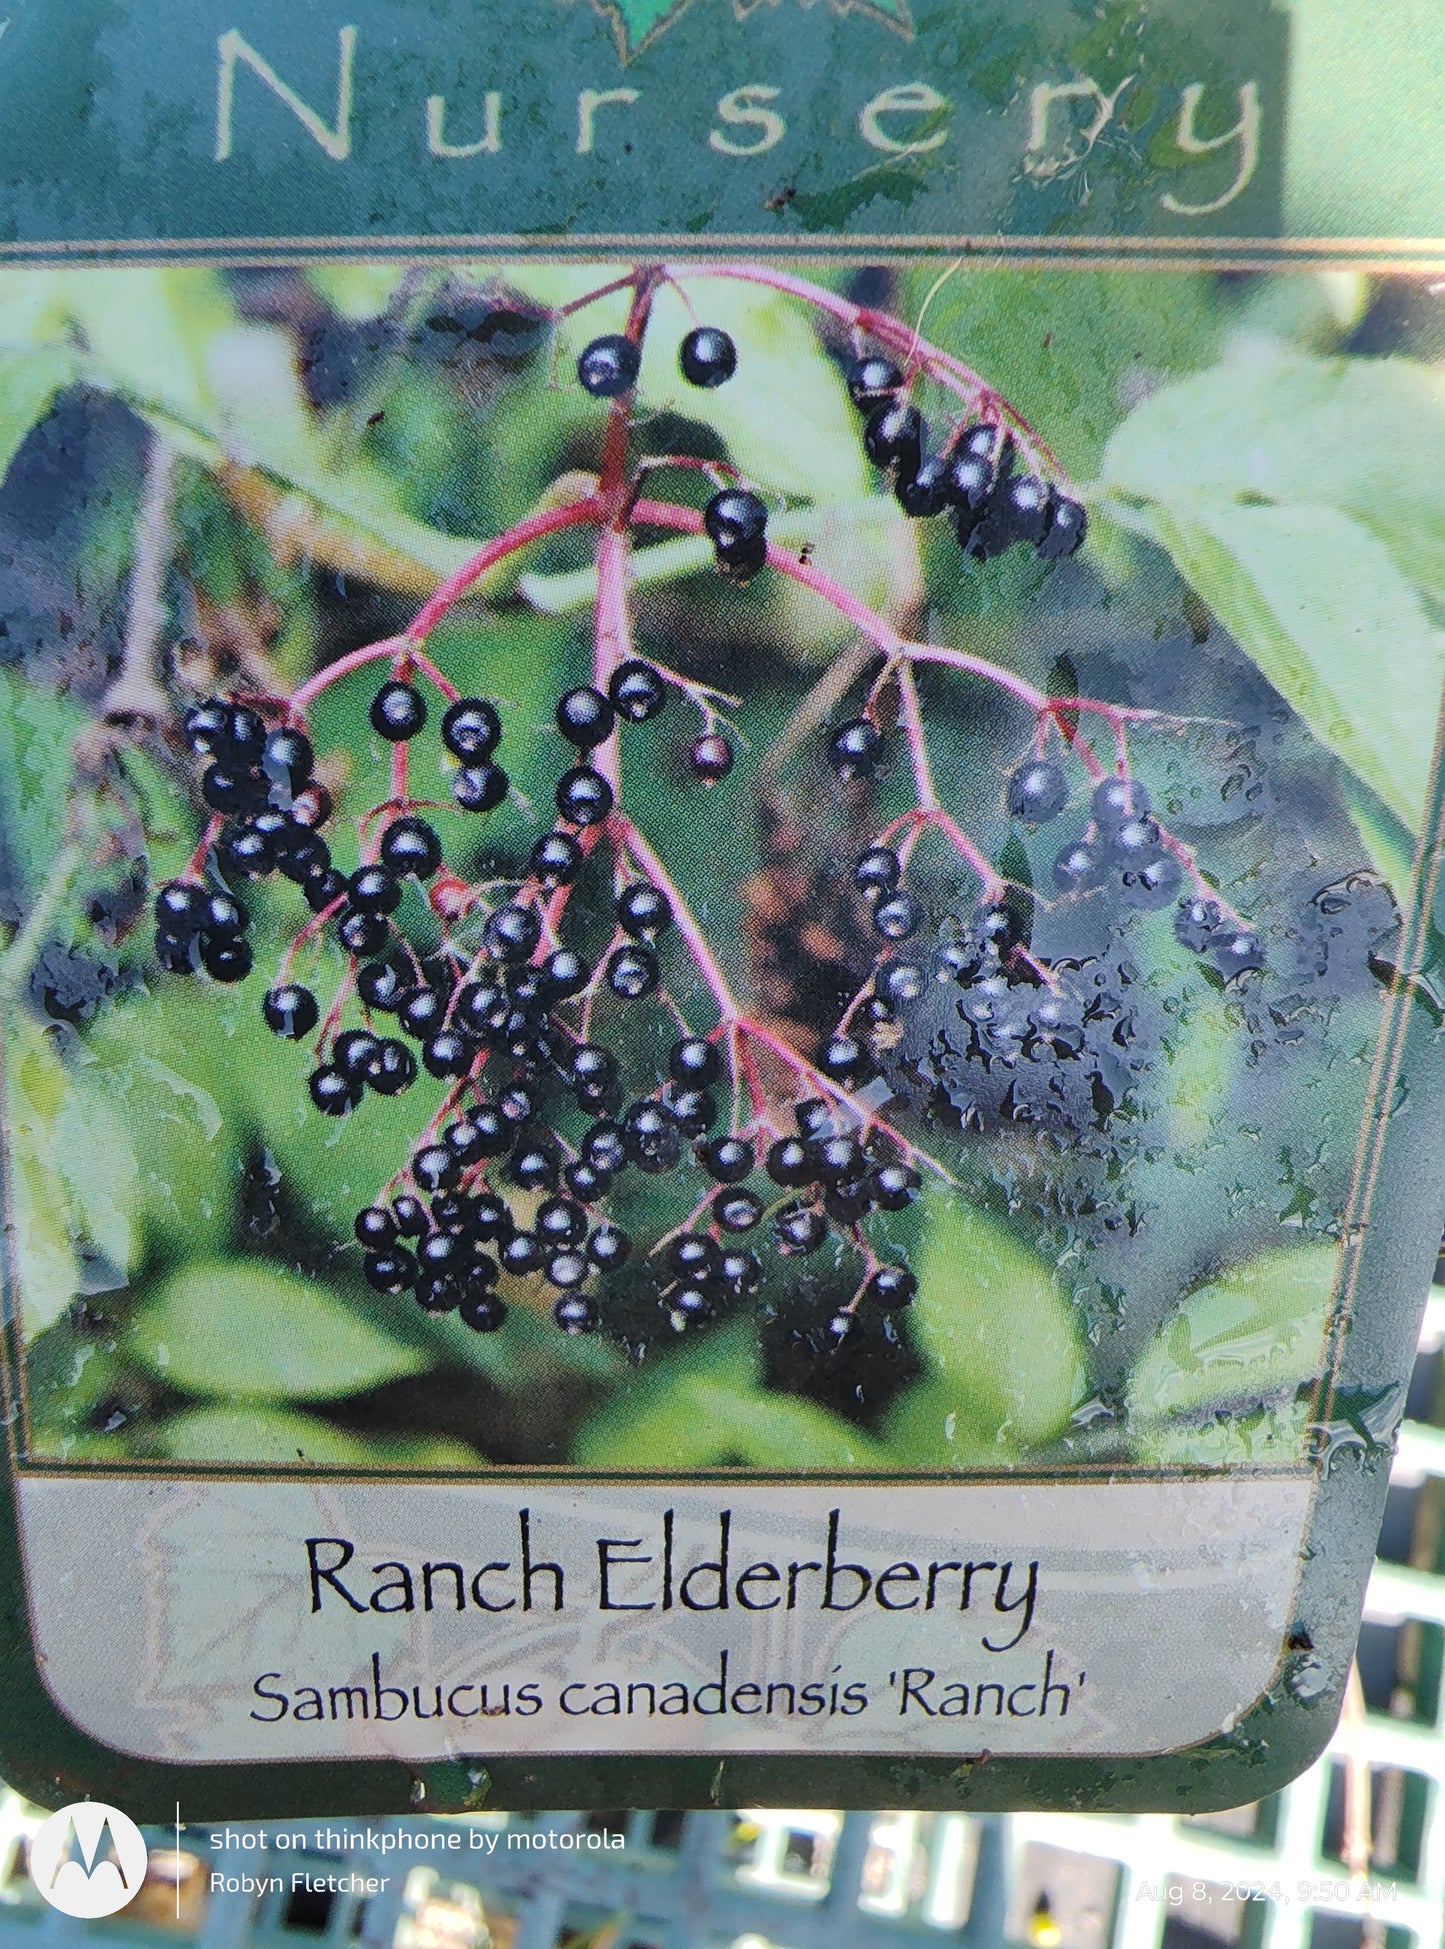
(88, 1860)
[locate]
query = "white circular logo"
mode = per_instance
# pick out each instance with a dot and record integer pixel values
(88, 1860)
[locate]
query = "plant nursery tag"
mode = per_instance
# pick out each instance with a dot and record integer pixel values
(719, 850)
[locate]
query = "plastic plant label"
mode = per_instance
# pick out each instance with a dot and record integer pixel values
(721, 1001)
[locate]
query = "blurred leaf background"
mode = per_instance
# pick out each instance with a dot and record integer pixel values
(1260, 459)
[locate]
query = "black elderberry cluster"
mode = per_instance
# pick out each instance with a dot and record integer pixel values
(971, 478)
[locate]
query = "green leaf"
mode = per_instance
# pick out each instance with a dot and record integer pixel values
(1006, 1366)
(1278, 1433)
(1248, 1336)
(252, 1434)
(232, 1327)
(1317, 602)
(47, 1271)
(37, 733)
(688, 1421)
(1360, 435)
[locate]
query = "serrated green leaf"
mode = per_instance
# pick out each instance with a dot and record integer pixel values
(226, 1327)
(1253, 1333)
(1001, 1341)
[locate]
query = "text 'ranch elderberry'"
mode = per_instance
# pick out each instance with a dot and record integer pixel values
(719, 834)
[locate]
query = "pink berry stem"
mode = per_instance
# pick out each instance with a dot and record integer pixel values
(548, 521)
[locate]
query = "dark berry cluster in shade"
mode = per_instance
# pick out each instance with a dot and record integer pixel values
(972, 477)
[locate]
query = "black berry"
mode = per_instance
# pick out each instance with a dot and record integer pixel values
(609, 366)
(410, 845)
(584, 797)
(555, 859)
(636, 691)
(856, 750)
(893, 437)
(872, 379)
(707, 357)
(471, 729)
(632, 972)
(1037, 791)
(585, 717)
(711, 757)
(398, 711)
(643, 911)
(694, 1061)
(480, 787)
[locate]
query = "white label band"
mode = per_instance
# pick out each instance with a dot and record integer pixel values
(209, 1620)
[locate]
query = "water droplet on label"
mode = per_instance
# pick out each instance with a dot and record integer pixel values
(1308, 1680)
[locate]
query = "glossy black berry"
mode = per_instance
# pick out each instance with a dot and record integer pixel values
(899, 916)
(707, 357)
(555, 859)
(226, 957)
(480, 787)
(651, 1137)
(737, 1210)
(437, 1292)
(560, 1222)
(471, 729)
(410, 1215)
(735, 517)
(608, 1248)
(891, 1286)
(585, 717)
(398, 711)
(311, 807)
(895, 1186)
(877, 871)
(392, 1271)
(534, 1167)
(449, 1053)
(287, 758)
(421, 1011)
(856, 750)
(568, 1269)
(790, 1164)
(1078, 868)
(999, 926)
(971, 481)
(1153, 884)
(711, 757)
(799, 1231)
(1196, 922)
(228, 788)
(636, 691)
(208, 726)
(900, 983)
(392, 1067)
(380, 984)
(847, 1062)
(694, 1060)
(1236, 951)
(244, 853)
(482, 1311)
(323, 887)
(1067, 526)
(927, 492)
(593, 1068)
(332, 1092)
(585, 1181)
(1117, 802)
(689, 1306)
(511, 933)
(727, 1160)
(563, 973)
(410, 845)
(491, 1216)
(872, 379)
(692, 1256)
(435, 1168)
(643, 911)
(362, 933)
(696, 1111)
(632, 972)
(577, 1313)
(604, 1146)
(520, 1254)
(893, 437)
(609, 366)
(372, 890)
(352, 1051)
(738, 1272)
(375, 1228)
(440, 1252)
(301, 852)
(1037, 791)
(180, 907)
(584, 797)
